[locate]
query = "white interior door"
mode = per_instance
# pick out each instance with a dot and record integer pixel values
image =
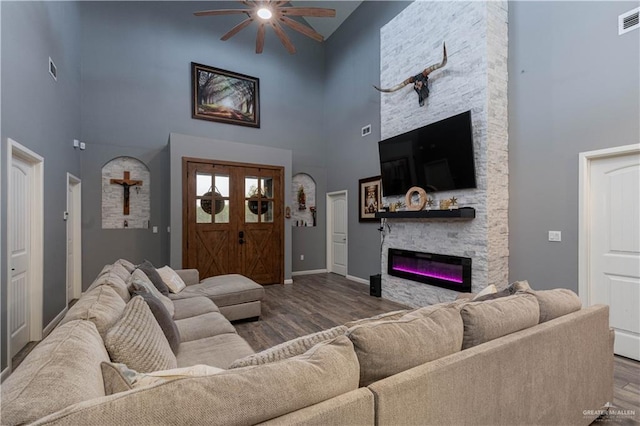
(338, 243)
(19, 256)
(614, 246)
(74, 239)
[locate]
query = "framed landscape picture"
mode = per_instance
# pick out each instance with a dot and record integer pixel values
(370, 198)
(225, 96)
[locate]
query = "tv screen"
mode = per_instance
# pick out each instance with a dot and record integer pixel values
(436, 157)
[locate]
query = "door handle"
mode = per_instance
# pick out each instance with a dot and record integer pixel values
(241, 237)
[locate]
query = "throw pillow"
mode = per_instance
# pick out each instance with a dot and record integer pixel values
(118, 377)
(488, 320)
(289, 349)
(138, 341)
(510, 290)
(385, 348)
(140, 282)
(148, 268)
(490, 289)
(162, 316)
(171, 279)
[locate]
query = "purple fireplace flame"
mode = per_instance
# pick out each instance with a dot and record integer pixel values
(452, 272)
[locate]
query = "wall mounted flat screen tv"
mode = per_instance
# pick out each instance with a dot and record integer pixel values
(436, 157)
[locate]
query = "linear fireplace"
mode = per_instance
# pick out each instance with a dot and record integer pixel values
(444, 271)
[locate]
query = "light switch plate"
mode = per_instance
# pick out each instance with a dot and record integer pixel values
(555, 236)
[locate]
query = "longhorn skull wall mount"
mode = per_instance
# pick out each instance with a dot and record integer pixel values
(420, 81)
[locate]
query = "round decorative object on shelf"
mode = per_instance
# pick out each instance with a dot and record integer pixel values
(206, 203)
(422, 200)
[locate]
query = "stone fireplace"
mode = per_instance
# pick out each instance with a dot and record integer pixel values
(475, 78)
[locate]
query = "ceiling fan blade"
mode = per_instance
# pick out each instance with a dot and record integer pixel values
(308, 31)
(284, 38)
(235, 30)
(318, 12)
(260, 39)
(221, 12)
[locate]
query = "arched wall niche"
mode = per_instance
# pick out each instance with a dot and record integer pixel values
(303, 196)
(126, 194)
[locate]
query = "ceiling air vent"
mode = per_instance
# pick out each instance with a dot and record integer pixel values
(628, 21)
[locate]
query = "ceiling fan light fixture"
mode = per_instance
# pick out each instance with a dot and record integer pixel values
(264, 13)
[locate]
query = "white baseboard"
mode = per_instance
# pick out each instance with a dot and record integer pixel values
(5, 373)
(309, 272)
(289, 281)
(357, 279)
(49, 328)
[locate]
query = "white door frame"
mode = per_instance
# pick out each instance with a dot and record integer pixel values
(36, 243)
(74, 184)
(329, 235)
(584, 201)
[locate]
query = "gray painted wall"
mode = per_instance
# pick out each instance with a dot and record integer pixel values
(136, 90)
(352, 66)
(573, 87)
(44, 116)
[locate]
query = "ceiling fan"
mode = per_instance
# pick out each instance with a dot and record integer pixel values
(274, 14)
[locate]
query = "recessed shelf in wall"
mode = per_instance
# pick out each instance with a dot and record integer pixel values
(464, 213)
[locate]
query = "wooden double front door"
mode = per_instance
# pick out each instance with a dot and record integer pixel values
(233, 219)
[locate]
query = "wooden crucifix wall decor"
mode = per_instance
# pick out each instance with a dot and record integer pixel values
(126, 184)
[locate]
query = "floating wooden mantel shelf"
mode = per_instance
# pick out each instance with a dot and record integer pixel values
(463, 213)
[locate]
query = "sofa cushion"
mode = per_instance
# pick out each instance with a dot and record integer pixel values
(162, 316)
(488, 320)
(114, 281)
(224, 290)
(393, 315)
(556, 303)
(155, 278)
(218, 351)
(120, 378)
(192, 307)
(117, 269)
(138, 341)
(385, 348)
(171, 279)
(242, 396)
(205, 325)
(65, 364)
(289, 349)
(126, 264)
(102, 306)
(140, 282)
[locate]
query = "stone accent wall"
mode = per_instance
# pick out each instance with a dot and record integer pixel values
(475, 78)
(113, 195)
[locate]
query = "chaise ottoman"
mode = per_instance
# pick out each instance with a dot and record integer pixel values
(237, 296)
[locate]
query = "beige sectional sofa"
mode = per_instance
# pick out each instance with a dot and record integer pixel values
(527, 358)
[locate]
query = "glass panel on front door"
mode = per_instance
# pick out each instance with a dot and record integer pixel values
(212, 198)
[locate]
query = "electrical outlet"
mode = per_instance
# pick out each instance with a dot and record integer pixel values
(555, 236)
(366, 130)
(302, 257)
(82, 146)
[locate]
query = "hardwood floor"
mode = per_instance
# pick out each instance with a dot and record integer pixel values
(313, 303)
(316, 302)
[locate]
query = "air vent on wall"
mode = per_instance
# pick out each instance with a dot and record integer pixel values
(628, 21)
